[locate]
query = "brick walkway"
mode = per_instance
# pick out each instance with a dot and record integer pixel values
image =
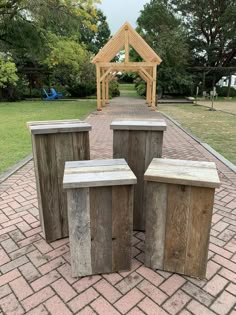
(35, 276)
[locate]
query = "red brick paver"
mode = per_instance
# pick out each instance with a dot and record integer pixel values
(35, 276)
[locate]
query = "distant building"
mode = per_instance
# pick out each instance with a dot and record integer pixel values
(224, 81)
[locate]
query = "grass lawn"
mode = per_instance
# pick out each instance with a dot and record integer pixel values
(15, 141)
(128, 90)
(216, 128)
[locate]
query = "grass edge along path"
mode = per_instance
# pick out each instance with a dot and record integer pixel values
(216, 128)
(15, 139)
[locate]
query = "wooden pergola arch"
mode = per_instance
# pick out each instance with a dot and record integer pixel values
(125, 38)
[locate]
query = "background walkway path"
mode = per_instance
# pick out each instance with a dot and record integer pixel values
(35, 276)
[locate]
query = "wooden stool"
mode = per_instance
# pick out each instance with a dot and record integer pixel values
(54, 143)
(138, 142)
(179, 204)
(100, 212)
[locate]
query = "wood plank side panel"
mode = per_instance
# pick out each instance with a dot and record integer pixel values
(155, 227)
(201, 207)
(136, 161)
(121, 144)
(101, 229)
(178, 201)
(154, 144)
(36, 166)
(47, 174)
(122, 227)
(81, 146)
(64, 152)
(80, 234)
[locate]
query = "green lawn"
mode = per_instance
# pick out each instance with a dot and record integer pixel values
(128, 90)
(15, 142)
(216, 128)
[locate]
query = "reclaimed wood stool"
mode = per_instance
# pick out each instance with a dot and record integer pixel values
(138, 142)
(179, 204)
(55, 142)
(100, 212)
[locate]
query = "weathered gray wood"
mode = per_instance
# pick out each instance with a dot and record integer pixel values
(80, 146)
(158, 125)
(101, 229)
(95, 163)
(188, 211)
(80, 233)
(202, 174)
(178, 201)
(110, 208)
(154, 144)
(50, 153)
(199, 225)
(59, 128)
(122, 227)
(136, 161)
(156, 208)
(64, 152)
(88, 175)
(48, 185)
(138, 148)
(51, 122)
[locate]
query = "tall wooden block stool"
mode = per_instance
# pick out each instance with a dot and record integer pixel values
(54, 143)
(138, 142)
(100, 212)
(179, 204)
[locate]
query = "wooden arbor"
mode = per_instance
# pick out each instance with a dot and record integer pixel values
(147, 69)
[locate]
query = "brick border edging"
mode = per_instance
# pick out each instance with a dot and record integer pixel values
(13, 169)
(220, 157)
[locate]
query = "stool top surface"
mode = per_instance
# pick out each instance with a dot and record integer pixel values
(183, 172)
(155, 125)
(58, 126)
(97, 173)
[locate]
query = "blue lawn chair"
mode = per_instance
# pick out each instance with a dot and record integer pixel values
(53, 95)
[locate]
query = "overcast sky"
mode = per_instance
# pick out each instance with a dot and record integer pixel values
(120, 11)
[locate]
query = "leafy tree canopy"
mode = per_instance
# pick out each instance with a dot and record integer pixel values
(8, 74)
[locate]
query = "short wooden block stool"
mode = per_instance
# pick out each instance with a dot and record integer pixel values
(55, 142)
(138, 142)
(100, 211)
(179, 204)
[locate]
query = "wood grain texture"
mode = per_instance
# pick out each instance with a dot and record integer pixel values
(101, 229)
(140, 125)
(178, 202)
(122, 227)
(182, 172)
(199, 225)
(47, 174)
(138, 148)
(51, 151)
(156, 208)
(64, 152)
(80, 233)
(81, 147)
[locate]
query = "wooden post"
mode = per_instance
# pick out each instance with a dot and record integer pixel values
(178, 215)
(103, 90)
(107, 91)
(98, 88)
(100, 213)
(154, 87)
(54, 143)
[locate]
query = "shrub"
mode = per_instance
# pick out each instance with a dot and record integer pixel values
(223, 91)
(114, 88)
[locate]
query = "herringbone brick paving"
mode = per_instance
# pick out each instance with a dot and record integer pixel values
(35, 276)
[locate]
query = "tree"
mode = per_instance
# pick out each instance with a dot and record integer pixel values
(162, 29)
(8, 74)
